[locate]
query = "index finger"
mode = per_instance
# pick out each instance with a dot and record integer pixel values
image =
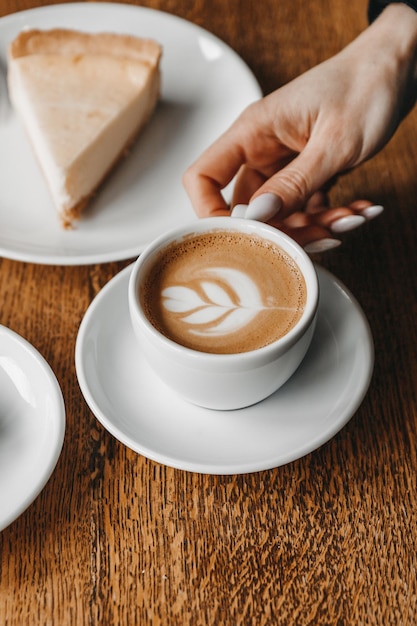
(212, 172)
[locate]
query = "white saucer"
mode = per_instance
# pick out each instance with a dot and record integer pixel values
(145, 415)
(32, 424)
(205, 85)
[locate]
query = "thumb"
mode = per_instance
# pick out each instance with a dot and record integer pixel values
(290, 188)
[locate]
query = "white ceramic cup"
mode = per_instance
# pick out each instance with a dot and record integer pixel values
(224, 381)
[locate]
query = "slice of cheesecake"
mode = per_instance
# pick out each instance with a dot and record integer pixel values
(83, 98)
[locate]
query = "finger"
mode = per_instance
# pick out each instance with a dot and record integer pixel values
(317, 203)
(360, 205)
(248, 180)
(340, 219)
(366, 208)
(290, 188)
(205, 179)
(219, 164)
(345, 218)
(312, 238)
(299, 219)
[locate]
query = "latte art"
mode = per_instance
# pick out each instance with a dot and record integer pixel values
(227, 300)
(223, 292)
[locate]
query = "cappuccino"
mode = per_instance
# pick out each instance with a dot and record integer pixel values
(223, 292)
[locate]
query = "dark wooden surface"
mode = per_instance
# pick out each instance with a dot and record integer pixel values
(329, 539)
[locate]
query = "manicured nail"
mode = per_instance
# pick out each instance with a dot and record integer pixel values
(321, 245)
(263, 207)
(372, 211)
(349, 222)
(239, 210)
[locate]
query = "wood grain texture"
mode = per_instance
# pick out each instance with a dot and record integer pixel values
(115, 538)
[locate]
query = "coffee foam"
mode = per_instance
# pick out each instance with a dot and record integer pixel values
(224, 292)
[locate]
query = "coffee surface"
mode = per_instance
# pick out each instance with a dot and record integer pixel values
(223, 292)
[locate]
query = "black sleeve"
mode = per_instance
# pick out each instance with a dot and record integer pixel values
(376, 7)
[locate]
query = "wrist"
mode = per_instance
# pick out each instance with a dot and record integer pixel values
(398, 23)
(376, 7)
(389, 46)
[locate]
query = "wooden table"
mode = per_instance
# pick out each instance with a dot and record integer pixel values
(115, 538)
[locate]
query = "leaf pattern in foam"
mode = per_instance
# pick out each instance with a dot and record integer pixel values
(216, 294)
(217, 310)
(181, 299)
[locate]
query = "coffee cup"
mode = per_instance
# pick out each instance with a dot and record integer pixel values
(223, 310)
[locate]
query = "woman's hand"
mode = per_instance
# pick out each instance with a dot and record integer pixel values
(315, 227)
(287, 148)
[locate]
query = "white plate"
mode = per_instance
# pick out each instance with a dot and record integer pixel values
(205, 85)
(140, 411)
(32, 424)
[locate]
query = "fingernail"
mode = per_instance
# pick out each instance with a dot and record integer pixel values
(349, 222)
(239, 210)
(372, 211)
(321, 245)
(263, 207)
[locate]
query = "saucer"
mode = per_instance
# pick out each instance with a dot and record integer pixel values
(32, 424)
(139, 410)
